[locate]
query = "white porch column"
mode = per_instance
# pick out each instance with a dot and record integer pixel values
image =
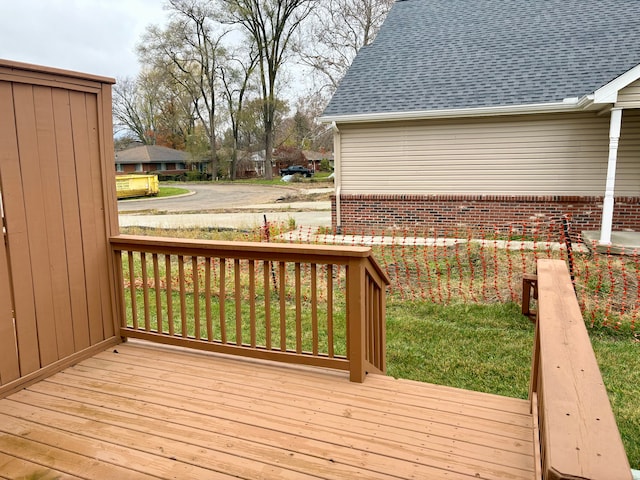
(607, 207)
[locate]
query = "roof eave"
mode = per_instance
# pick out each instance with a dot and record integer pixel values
(567, 105)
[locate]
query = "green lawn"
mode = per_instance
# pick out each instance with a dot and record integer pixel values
(166, 191)
(318, 177)
(488, 348)
(483, 347)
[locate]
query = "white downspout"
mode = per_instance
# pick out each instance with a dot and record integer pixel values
(337, 169)
(607, 207)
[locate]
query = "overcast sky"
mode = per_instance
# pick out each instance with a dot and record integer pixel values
(90, 36)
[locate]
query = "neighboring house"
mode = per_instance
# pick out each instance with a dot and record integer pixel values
(315, 158)
(250, 164)
(284, 157)
(492, 113)
(152, 159)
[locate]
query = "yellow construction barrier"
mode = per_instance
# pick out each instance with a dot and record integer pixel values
(136, 185)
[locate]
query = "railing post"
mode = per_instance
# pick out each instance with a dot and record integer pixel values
(356, 312)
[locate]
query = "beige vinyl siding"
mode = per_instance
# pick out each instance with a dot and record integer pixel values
(561, 154)
(629, 97)
(628, 168)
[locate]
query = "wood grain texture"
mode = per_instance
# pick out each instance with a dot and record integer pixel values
(55, 158)
(579, 435)
(176, 414)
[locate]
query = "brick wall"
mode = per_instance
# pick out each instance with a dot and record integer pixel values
(446, 213)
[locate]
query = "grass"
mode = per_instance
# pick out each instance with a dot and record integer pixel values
(485, 346)
(318, 177)
(488, 348)
(171, 191)
(619, 361)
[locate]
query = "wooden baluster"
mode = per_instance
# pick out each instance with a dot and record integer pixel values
(145, 291)
(330, 345)
(238, 299)
(252, 301)
(195, 277)
(283, 307)
(369, 320)
(266, 265)
(169, 293)
(207, 297)
(298, 309)
(120, 293)
(314, 309)
(222, 300)
(132, 292)
(156, 279)
(183, 297)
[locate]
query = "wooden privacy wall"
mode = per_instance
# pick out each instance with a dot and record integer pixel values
(58, 210)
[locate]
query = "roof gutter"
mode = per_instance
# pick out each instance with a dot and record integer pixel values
(567, 105)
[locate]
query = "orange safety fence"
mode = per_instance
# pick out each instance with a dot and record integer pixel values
(487, 266)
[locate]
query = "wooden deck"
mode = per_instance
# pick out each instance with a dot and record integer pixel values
(159, 412)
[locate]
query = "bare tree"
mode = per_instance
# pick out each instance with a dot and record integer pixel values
(270, 25)
(236, 77)
(303, 130)
(336, 31)
(135, 110)
(189, 50)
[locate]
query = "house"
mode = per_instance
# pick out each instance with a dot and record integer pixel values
(492, 114)
(152, 159)
(179, 400)
(315, 158)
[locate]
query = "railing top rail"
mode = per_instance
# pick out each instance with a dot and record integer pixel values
(250, 250)
(579, 435)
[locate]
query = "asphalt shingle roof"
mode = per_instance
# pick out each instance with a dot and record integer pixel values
(450, 54)
(151, 153)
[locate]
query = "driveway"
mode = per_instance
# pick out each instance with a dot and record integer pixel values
(209, 197)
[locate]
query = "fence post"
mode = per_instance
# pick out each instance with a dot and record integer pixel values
(356, 311)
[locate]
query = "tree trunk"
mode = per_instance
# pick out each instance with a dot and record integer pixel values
(234, 158)
(268, 149)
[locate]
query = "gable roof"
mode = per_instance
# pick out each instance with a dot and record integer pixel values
(439, 55)
(317, 156)
(151, 154)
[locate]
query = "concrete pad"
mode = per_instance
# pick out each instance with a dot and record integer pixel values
(621, 242)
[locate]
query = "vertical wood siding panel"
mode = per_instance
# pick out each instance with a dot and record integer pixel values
(101, 212)
(105, 130)
(9, 365)
(71, 218)
(34, 203)
(47, 170)
(91, 255)
(15, 216)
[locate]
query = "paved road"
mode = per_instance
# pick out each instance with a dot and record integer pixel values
(249, 202)
(209, 197)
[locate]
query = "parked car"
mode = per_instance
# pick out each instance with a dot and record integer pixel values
(299, 169)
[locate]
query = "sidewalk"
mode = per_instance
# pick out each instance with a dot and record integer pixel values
(318, 215)
(308, 235)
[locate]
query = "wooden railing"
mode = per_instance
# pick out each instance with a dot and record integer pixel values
(577, 432)
(306, 304)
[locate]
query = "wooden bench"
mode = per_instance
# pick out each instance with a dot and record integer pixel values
(578, 435)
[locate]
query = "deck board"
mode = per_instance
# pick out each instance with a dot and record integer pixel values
(159, 412)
